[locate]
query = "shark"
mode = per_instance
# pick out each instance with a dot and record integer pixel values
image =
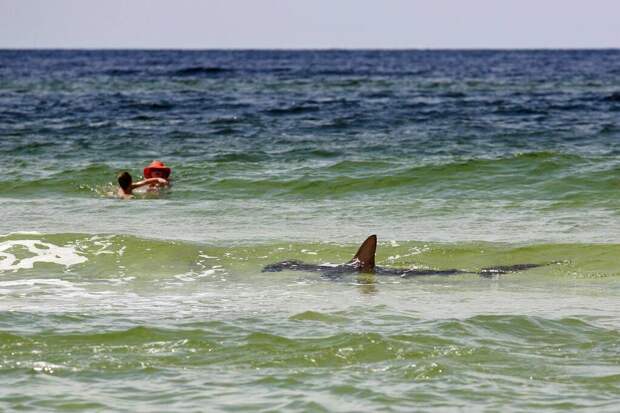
(364, 262)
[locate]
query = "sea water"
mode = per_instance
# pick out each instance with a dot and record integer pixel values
(455, 159)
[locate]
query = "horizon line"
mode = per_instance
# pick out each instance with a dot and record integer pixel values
(106, 48)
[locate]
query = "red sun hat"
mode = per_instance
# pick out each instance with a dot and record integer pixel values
(157, 166)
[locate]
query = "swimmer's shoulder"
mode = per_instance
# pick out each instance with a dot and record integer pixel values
(122, 195)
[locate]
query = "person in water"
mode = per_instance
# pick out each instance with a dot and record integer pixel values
(126, 184)
(157, 169)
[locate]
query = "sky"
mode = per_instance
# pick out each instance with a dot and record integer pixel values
(303, 24)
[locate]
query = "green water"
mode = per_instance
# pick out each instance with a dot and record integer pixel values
(126, 323)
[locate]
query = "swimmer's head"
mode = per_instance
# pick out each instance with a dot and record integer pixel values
(124, 181)
(157, 169)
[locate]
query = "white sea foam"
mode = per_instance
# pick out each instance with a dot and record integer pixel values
(42, 252)
(46, 367)
(21, 233)
(54, 282)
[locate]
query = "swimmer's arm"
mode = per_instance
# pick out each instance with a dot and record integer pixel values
(148, 182)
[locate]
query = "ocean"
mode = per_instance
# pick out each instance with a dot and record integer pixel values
(455, 159)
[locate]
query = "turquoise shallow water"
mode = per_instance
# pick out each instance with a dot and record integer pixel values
(454, 159)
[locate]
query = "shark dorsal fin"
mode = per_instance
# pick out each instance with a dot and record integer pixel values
(364, 258)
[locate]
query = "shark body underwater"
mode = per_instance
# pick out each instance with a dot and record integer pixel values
(364, 262)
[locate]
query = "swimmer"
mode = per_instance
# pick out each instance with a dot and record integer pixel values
(126, 185)
(157, 169)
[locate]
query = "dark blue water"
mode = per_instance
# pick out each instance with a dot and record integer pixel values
(260, 98)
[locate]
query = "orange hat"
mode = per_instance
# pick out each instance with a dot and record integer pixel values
(157, 165)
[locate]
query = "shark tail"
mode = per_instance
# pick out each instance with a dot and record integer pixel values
(506, 269)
